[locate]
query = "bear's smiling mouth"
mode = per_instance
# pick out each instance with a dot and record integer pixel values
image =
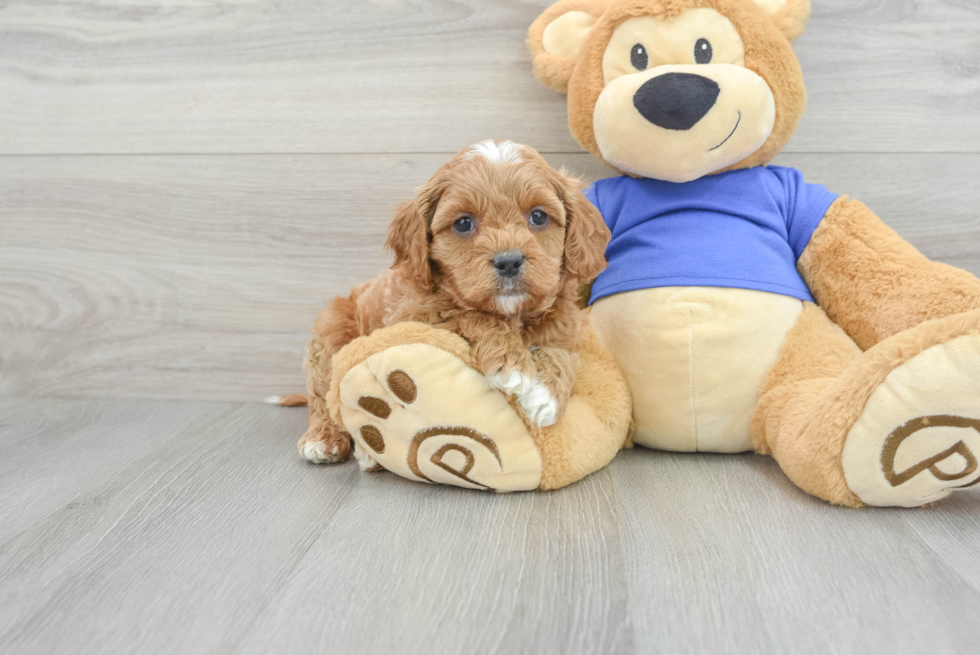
(737, 123)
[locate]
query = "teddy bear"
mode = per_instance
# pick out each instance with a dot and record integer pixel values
(748, 309)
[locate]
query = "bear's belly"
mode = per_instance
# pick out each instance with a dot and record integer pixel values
(695, 359)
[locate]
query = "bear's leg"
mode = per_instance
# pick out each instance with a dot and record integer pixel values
(596, 421)
(414, 404)
(815, 354)
(898, 425)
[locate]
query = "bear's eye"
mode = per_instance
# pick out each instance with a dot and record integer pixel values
(639, 57)
(463, 224)
(702, 51)
(538, 218)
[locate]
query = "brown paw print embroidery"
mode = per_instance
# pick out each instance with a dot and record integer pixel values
(439, 458)
(405, 390)
(424, 414)
(895, 439)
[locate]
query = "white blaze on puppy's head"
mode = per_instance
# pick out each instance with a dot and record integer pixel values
(498, 152)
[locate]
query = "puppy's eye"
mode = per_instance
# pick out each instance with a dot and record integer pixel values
(639, 57)
(463, 224)
(703, 52)
(538, 218)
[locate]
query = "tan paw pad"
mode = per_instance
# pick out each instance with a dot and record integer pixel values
(422, 413)
(918, 438)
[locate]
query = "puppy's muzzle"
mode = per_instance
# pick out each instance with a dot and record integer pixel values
(508, 263)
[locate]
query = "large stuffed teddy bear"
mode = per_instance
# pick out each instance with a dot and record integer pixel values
(749, 309)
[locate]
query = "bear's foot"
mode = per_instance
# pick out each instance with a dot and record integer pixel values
(422, 413)
(918, 437)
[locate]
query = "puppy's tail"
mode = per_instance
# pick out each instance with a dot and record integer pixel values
(292, 400)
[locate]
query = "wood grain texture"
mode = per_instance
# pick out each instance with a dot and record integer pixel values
(497, 574)
(762, 567)
(47, 455)
(199, 76)
(199, 276)
(221, 540)
(179, 551)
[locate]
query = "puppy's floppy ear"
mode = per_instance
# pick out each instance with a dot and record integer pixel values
(555, 38)
(586, 233)
(409, 234)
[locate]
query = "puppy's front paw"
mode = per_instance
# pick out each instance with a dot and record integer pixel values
(513, 383)
(364, 459)
(540, 408)
(324, 447)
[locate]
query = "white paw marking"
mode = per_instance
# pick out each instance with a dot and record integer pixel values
(497, 153)
(316, 452)
(540, 408)
(535, 398)
(273, 400)
(364, 459)
(513, 383)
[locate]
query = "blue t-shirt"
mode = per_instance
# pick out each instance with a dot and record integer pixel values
(742, 229)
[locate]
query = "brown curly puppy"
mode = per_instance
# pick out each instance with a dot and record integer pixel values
(494, 248)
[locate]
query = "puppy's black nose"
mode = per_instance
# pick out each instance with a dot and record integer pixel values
(508, 263)
(676, 101)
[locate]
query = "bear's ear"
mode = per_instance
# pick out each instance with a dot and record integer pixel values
(555, 37)
(790, 16)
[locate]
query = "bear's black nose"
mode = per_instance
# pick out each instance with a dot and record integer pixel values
(676, 101)
(508, 263)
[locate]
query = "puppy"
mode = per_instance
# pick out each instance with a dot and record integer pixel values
(494, 248)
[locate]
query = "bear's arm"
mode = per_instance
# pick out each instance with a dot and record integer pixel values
(872, 282)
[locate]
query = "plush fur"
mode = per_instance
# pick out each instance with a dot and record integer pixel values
(820, 387)
(525, 332)
(873, 283)
(889, 356)
(594, 427)
(768, 53)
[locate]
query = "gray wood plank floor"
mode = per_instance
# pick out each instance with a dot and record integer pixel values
(182, 186)
(200, 531)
